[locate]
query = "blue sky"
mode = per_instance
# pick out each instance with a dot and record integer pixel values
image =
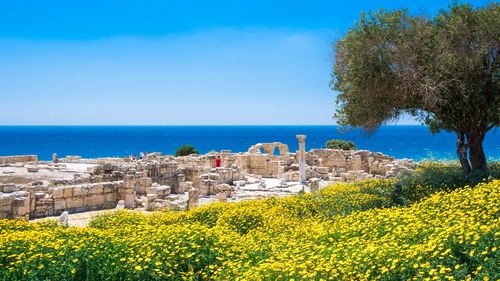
(174, 62)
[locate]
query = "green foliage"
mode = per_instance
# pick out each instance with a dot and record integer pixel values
(186, 150)
(343, 232)
(444, 71)
(431, 177)
(340, 144)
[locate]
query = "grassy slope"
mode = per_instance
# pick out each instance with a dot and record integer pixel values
(347, 231)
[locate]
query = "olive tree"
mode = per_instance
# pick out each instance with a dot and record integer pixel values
(444, 71)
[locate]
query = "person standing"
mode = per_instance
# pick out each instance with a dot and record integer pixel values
(217, 161)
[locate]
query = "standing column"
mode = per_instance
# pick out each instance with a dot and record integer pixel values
(302, 159)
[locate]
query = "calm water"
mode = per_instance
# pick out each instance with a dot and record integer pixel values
(98, 141)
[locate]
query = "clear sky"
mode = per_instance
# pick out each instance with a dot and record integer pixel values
(174, 62)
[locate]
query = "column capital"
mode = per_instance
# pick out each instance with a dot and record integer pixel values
(301, 138)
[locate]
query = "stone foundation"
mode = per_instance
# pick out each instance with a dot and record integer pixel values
(74, 184)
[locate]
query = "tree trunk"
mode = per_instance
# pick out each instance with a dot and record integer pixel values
(475, 138)
(477, 156)
(462, 154)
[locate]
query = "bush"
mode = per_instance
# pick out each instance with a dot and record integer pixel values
(340, 144)
(186, 150)
(430, 177)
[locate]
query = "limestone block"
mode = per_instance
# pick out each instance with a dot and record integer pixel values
(314, 184)
(94, 200)
(39, 195)
(335, 179)
(32, 169)
(151, 197)
(120, 205)
(129, 200)
(59, 204)
(91, 169)
(7, 188)
(239, 183)
(96, 189)
(57, 192)
(145, 182)
(110, 197)
(6, 208)
(222, 197)
(75, 202)
(163, 191)
(322, 170)
(109, 187)
(68, 192)
(64, 219)
(20, 207)
(80, 191)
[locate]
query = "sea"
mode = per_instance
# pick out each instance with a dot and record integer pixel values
(415, 142)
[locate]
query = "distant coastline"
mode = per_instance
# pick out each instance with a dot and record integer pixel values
(400, 141)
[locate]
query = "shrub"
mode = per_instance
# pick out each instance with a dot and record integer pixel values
(430, 177)
(186, 150)
(340, 144)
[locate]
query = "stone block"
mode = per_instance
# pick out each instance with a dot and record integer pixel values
(110, 197)
(32, 169)
(79, 191)
(68, 192)
(75, 202)
(5, 200)
(20, 207)
(129, 200)
(322, 170)
(7, 188)
(94, 200)
(6, 208)
(39, 195)
(57, 192)
(96, 189)
(109, 187)
(60, 204)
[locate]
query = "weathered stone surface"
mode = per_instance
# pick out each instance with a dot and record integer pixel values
(57, 192)
(60, 204)
(167, 182)
(75, 202)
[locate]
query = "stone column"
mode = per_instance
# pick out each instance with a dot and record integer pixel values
(193, 198)
(127, 192)
(302, 158)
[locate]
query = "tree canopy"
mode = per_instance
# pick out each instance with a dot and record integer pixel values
(445, 71)
(340, 144)
(186, 150)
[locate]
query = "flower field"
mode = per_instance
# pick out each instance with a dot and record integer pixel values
(344, 232)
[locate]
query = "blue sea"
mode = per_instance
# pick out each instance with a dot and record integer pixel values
(414, 142)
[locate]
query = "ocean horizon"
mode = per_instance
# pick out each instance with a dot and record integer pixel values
(401, 141)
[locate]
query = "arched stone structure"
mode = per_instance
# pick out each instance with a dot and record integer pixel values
(269, 148)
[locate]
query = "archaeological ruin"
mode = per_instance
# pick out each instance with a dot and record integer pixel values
(33, 189)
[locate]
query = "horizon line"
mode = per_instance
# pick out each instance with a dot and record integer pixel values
(186, 125)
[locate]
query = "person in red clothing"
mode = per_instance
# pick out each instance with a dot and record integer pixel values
(217, 161)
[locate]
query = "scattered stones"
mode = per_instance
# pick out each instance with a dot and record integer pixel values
(63, 219)
(32, 169)
(120, 205)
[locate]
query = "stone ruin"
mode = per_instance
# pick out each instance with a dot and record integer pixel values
(33, 189)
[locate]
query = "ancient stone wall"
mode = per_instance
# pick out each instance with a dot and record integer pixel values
(167, 182)
(17, 159)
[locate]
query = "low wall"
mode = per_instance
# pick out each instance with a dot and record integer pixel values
(35, 203)
(17, 159)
